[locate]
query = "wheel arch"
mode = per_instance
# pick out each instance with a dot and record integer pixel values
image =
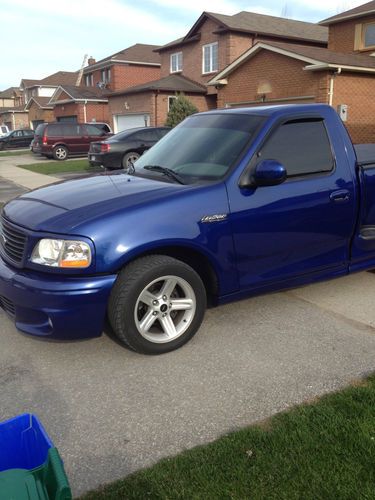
(194, 258)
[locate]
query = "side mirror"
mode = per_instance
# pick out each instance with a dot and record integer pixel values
(266, 173)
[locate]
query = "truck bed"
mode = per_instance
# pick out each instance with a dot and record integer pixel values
(365, 153)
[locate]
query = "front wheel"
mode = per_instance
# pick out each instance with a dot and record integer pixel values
(157, 304)
(60, 153)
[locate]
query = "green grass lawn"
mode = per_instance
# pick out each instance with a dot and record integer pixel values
(55, 167)
(13, 153)
(319, 451)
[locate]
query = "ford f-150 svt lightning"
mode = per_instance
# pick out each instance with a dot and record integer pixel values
(229, 204)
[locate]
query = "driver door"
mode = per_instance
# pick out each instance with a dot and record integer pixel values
(303, 225)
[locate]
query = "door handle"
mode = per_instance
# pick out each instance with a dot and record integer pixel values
(340, 196)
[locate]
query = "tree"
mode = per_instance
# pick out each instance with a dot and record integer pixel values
(180, 109)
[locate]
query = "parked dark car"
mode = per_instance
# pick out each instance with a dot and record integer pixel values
(61, 140)
(124, 148)
(20, 138)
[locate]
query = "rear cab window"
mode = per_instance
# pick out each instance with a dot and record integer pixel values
(301, 146)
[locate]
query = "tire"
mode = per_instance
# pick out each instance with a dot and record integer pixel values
(60, 153)
(129, 158)
(172, 309)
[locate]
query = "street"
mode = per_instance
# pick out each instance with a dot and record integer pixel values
(111, 412)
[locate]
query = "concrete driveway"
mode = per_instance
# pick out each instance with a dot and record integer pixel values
(111, 412)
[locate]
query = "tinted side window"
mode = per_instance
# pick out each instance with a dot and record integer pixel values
(93, 130)
(301, 146)
(54, 130)
(162, 132)
(70, 129)
(146, 135)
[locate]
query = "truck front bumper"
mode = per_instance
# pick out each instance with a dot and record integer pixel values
(52, 306)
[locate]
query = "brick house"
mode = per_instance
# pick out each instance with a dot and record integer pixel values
(14, 117)
(187, 64)
(79, 104)
(132, 66)
(11, 97)
(342, 75)
(37, 93)
(148, 104)
(87, 100)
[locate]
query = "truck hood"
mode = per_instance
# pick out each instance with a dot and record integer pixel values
(63, 207)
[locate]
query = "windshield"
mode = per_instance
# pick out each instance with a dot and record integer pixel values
(202, 147)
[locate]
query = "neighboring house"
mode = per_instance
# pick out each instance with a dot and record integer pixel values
(10, 98)
(132, 66)
(15, 117)
(148, 104)
(40, 111)
(47, 86)
(79, 104)
(37, 93)
(342, 75)
(187, 64)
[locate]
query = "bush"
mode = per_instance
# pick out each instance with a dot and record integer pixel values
(180, 109)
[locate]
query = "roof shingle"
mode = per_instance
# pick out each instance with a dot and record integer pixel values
(139, 52)
(260, 24)
(172, 83)
(363, 10)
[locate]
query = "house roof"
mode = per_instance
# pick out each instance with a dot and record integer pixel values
(41, 102)
(138, 53)
(9, 93)
(15, 109)
(317, 58)
(366, 9)
(78, 94)
(171, 83)
(260, 24)
(54, 80)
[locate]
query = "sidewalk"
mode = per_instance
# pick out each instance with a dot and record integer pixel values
(21, 177)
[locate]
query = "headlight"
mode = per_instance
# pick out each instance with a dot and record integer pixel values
(62, 253)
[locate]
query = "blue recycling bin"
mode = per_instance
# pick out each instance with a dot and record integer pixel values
(30, 465)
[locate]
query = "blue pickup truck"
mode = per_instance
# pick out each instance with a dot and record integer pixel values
(231, 203)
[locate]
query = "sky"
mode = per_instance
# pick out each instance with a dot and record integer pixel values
(40, 37)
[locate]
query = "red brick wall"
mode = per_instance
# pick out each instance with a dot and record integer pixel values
(201, 102)
(357, 91)
(124, 76)
(341, 35)
(128, 76)
(285, 75)
(192, 52)
(130, 104)
(97, 111)
(36, 113)
(154, 105)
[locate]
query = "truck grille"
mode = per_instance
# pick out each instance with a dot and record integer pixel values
(12, 241)
(7, 305)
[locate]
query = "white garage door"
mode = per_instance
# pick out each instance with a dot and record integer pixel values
(123, 122)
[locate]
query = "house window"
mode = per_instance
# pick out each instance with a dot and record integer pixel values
(171, 99)
(106, 75)
(369, 35)
(176, 62)
(210, 62)
(89, 80)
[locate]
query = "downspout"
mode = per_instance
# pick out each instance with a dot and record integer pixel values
(331, 86)
(84, 111)
(156, 108)
(13, 121)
